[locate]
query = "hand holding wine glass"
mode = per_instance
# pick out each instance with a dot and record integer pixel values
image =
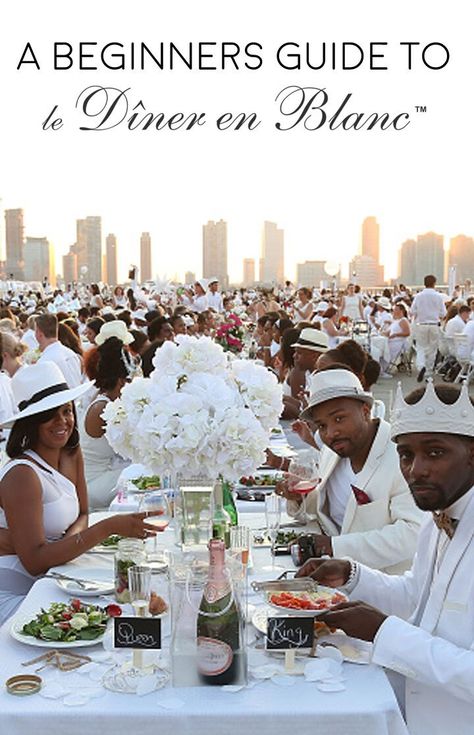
(303, 475)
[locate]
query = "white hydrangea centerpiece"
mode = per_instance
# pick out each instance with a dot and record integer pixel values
(198, 413)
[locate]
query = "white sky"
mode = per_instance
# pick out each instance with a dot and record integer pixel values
(318, 185)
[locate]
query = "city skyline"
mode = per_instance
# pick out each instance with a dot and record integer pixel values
(427, 253)
(317, 185)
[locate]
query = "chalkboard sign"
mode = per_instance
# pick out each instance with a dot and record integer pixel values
(144, 633)
(286, 633)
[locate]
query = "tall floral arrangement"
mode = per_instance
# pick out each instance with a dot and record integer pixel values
(230, 335)
(197, 414)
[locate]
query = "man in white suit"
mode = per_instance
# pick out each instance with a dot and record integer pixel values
(422, 625)
(362, 505)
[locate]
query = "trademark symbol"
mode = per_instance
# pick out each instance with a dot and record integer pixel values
(420, 108)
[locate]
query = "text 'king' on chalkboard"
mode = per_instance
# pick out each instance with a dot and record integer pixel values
(137, 633)
(286, 633)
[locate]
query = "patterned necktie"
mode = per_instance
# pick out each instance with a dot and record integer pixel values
(445, 523)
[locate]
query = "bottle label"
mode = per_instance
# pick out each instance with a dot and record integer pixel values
(214, 592)
(214, 657)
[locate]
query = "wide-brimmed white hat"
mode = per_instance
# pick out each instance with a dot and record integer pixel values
(385, 303)
(118, 329)
(203, 282)
(40, 387)
(322, 306)
(312, 339)
(139, 314)
(212, 280)
(329, 384)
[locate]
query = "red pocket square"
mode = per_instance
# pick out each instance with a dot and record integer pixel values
(361, 497)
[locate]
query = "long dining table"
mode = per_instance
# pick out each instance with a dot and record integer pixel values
(365, 705)
(77, 702)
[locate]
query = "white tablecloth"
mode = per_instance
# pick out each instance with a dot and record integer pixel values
(367, 706)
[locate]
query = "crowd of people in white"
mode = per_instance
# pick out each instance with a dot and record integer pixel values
(377, 479)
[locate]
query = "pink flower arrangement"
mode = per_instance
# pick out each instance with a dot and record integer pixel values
(230, 335)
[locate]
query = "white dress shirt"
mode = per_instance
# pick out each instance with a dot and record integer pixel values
(67, 361)
(214, 300)
(428, 307)
(454, 326)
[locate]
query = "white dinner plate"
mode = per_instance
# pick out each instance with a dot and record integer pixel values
(16, 632)
(91, 589)
(298, 612)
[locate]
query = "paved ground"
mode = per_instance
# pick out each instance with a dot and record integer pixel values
(385, 389)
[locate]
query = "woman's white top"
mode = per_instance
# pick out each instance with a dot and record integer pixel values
(99, 457)
(102, 466)
(60, 502)
(333, 340)
(396, 330)
(307, 310)
(351, 307)
(60, 510)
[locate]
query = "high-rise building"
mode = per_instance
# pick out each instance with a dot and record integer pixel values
(214, 251)
(312, 273)
(371, 238)
(406, 263)
(70, 265)
(14, 239)
(429, 258)
(422, 258)
(366, 272)
(461, 255)
(189, 278)
(38, 256)
(145, 257)
(272, 254)
(111, 259)
(89, 249)
(249, 272)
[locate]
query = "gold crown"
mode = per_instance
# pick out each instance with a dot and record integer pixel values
(430, 415)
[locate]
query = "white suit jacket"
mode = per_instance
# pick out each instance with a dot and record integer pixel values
(383, 533)
(429, 636)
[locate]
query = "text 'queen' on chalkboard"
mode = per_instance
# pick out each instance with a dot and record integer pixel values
(137, 633)
(286, 633)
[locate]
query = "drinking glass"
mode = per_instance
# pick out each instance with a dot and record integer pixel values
(240, 548)
(303, 476)
(139, 582)
(156, 502)
(273, 517)
(240, 543)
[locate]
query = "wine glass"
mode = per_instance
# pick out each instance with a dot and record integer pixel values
(303, 476)
(273, 517)
(156, 502)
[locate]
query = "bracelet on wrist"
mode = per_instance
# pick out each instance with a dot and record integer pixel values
(352, 573)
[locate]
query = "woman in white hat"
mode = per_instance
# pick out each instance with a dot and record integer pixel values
(111, 365)
(43, 494)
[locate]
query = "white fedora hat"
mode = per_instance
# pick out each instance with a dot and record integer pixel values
(40, 387)
(385, 303)
(118, 329)
(312, 339)
(329, 384)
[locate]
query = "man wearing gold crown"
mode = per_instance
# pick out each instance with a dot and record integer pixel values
(422, 623)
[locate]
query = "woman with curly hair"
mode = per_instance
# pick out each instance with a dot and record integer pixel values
(110, 364)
